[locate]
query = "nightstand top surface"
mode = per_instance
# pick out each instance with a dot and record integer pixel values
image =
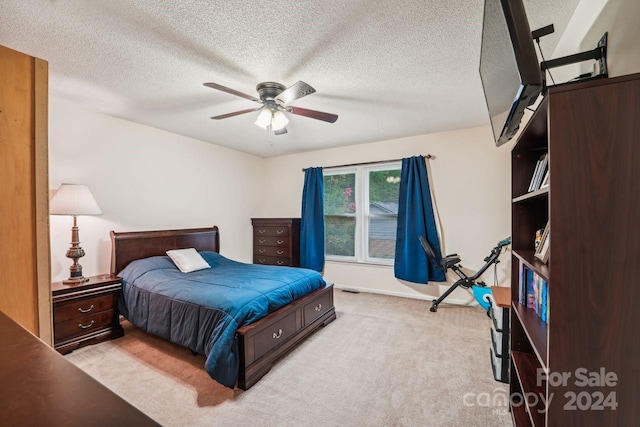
(59, 288)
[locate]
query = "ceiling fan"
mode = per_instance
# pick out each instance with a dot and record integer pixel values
(275, 99)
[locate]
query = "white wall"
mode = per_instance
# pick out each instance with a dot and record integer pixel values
(470, 181)
(145, 179)
(591, 19)
(621, 18)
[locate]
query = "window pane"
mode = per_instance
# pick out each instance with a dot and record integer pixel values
(383, 212)
(340, 235)
(339, 214)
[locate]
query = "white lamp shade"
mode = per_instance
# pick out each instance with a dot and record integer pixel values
(264, 118)
(73, 199)
(279, 120)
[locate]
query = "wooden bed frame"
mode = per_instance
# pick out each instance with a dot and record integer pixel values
(260, 343)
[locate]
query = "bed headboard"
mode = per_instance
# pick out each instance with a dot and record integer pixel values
(132, 245)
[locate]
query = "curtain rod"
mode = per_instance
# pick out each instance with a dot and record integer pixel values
(427, 156)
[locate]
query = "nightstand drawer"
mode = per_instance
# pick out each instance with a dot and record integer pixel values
(82, 307)
(274, 335)
(83, 325)
(85, 313)
(317, 307)
(271, 251)
(271, 231)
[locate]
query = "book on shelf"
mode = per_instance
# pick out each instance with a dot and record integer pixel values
(545, 180)
(542, 248)
(534, 293)
(538, 239)
(539, 173)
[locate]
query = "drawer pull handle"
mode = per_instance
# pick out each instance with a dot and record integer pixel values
(80, 325)
(318, 307)
(261, 241)
(85, 311)
(277, 335)
(280, 242)
(279, 252)
(279, 231)
(261, 260)
(261, 231)
(261, 251)
(280, 262)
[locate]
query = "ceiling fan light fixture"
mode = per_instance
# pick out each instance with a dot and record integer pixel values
(279, 120)
(264, 119)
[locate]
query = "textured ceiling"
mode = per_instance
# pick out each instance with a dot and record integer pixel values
(389, 69)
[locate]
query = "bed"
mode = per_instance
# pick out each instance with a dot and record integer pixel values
(181, 306)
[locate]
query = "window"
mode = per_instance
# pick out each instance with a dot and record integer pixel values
(361, 212)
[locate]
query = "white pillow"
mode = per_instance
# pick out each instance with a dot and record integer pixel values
(188, 260)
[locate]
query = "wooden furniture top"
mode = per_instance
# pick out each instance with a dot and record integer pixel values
(41, 387)
(130, 246)
(59, 288)
(502, 296)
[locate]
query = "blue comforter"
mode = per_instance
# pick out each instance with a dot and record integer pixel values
(202, 310)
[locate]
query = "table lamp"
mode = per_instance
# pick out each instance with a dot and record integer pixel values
(74, 199)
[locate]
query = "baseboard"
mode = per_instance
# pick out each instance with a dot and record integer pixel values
(357, 289)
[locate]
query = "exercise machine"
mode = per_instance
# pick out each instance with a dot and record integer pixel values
(453, 262)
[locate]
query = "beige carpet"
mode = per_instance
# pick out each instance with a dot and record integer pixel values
(385, 361)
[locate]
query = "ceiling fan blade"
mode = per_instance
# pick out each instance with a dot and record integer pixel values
(319, 115)
(280, 131)
(232, 91)
(236, 113)
(295, 91)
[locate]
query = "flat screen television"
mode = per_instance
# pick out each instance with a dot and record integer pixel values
(509, 67)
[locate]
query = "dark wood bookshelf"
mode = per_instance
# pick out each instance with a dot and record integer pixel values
(532, 195)
(590, 132)
(535, 329)
(528, 258)
(519, 416)
(526, 366)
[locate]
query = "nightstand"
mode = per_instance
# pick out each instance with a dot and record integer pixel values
(86, 313)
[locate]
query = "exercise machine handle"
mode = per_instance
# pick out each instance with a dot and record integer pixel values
(504, 242)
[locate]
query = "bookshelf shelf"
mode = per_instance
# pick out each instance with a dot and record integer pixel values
(527, 258)
(520, 417)
(526, 370)
(587, 132)
(535, 329)
(532, 195)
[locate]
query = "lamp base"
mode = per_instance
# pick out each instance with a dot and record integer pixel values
(75, 252)
(75, 280)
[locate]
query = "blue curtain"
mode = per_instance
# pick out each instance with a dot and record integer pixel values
(415, 218)
(312, 222)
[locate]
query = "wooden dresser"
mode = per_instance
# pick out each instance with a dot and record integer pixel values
(86, 313)
(42, 388)
(276, 241)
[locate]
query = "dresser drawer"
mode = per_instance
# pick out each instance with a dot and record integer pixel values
(83, 325)
(82, 307)
(270, 260)
(271, 231)
(317, 307)
(274, 335)
(271, 251)
(271, 241)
